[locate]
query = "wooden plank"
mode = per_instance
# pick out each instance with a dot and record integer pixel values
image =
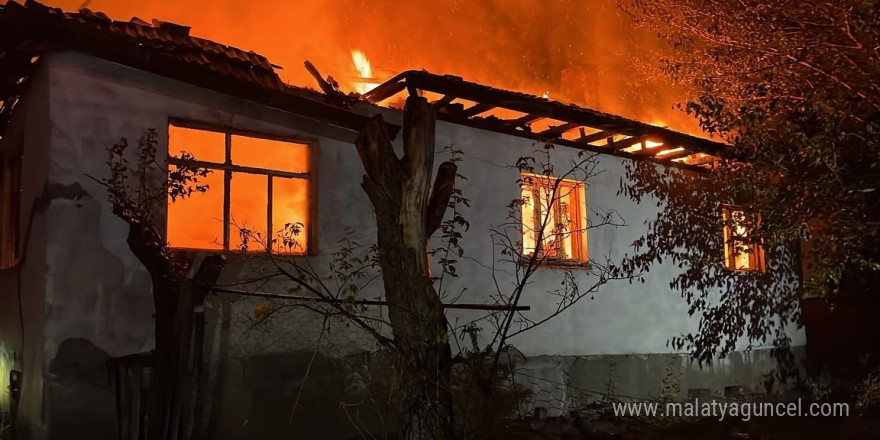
(559, 130)
(676, 155)
(443, 102)
(499, 126)
(476, 110)
(590, 138)
(526, 120)
(556, 110)
(628, 142)
(650, 151)
(386, 90)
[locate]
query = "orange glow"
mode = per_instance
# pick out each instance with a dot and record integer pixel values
(647, 145)
(290, 199)
(273, 155)
(365, 70)
(586, 53)
(208, 146)
(248, 196)
(738, 254)
(670, 151)
(561, 227)
(197, 221)
(254, 164)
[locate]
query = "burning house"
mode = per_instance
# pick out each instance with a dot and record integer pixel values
(74, 297)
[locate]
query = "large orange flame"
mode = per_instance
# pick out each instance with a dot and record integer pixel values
(365, 70)
(587, 53)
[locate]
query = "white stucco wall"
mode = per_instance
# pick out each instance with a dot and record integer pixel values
(96, 289)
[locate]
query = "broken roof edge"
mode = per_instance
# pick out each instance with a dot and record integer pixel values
(487, 97)
(31, 30)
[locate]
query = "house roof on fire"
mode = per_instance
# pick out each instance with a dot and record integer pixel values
(30, 30)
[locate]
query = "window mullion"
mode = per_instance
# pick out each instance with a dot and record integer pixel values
(269, 199)
(227, 184)
(558, 219)
(537, 220)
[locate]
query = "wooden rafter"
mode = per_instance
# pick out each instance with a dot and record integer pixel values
(593, 137)
(628, 142)
(476, 110)
(559, 130)
(676, 155)
(606, 126)
(443, 102)
(526, 120)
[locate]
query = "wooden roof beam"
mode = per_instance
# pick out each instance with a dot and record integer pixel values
(676, 155)
(386, 90)
(556, 110)
(629, 142)
(593, 137)
(526, 120)
(443, 102)
(475, 110)
(558, 130)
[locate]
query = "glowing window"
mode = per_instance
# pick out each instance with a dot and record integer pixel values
(553, 219)
(741, 251)
(258, 195)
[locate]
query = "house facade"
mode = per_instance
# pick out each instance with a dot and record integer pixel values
(75, 297)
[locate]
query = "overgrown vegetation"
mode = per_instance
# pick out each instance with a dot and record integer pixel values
(793, 88)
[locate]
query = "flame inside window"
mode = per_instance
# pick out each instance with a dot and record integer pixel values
(263, 182)
(553, 218)
(741, 251)
(365, 82)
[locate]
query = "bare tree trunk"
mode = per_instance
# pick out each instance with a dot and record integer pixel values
(407, 213)
(178, 361)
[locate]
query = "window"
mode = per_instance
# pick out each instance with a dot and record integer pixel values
(256, 184)
(741, 252)
(10, 196)
(553, 219)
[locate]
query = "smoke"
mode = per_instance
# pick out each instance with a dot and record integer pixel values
(581, 51)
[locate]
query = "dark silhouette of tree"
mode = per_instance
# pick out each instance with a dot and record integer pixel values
(794, 88)
(138, 187)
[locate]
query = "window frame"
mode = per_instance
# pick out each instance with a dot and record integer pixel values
(228, 167)
(757, 248)
(579, 235)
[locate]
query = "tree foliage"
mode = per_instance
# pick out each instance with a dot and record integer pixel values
(794, 88)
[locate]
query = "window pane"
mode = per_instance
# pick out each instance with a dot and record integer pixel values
(268, 154)
(204, 145)
(566, 219)
(290, 205)
(738, 253)
(196, 222)
(547, 218)
(527, 210)
(561, 213)
(248, 198)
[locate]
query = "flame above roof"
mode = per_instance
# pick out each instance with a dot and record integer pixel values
(29, 31)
